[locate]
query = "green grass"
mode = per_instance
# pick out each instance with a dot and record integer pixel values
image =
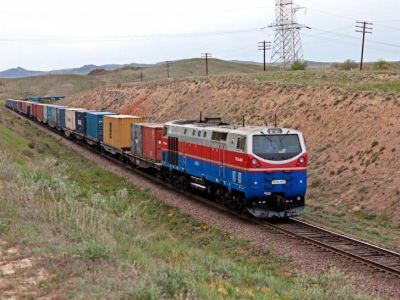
(102, 237)
(375, 81)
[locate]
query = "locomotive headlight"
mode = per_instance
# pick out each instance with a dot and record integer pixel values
(301, 160)
(254, 162)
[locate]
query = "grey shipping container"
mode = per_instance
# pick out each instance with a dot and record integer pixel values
(136, 139)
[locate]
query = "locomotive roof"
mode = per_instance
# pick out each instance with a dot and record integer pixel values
(238, 129)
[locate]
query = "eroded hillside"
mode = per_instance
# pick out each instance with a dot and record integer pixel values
(353, 138)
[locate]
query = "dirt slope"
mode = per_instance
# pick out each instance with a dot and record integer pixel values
(353, 138)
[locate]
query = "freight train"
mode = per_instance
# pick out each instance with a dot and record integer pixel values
(261, 170)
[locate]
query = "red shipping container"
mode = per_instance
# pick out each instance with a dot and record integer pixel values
(29, 108)
(34, 110)
(19, 106)
(39, 112)
(151, 141)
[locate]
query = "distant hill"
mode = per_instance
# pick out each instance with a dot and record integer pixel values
(20, 72)
(84, 70)
(247, 66)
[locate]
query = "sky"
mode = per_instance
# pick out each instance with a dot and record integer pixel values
(48, 34)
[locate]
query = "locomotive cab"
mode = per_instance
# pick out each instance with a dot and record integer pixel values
(278, 177)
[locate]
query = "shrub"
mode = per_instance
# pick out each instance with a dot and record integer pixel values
(382, 65)
(298, 66)
(347, 65)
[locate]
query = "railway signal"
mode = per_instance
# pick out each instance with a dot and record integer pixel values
(264, 46)
(363, 27)
(206, 56)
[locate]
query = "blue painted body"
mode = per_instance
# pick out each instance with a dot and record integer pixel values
(94, 124)
(254, 185)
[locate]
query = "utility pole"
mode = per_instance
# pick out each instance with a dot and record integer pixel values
(264, 46)
(207, 56)
(141, 76)
(364, 30)
(167, 62)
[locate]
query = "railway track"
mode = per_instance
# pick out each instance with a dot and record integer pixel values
(375, 257)
(378, 258)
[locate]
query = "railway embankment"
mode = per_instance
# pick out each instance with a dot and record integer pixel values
(351, 128)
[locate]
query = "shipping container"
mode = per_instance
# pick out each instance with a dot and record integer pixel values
(117, 130)
(70, 122)
(34, 110)
(45, 113)
(80, 122)
(10, 103)
(94, 124)
(61, 117)
(136, 139)
(19, 106)
(23, 107)
(39, 112)
(29, 109)
(151, 141)
(51, 115)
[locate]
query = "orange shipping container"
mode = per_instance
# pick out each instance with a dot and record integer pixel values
(117, 130)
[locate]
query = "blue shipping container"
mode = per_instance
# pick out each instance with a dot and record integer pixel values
(61, 117)
(80, 122)
(94, 124)
(52, 113)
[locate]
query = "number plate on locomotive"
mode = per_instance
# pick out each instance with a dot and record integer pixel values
(280, 181)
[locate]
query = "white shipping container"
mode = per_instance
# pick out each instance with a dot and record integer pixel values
(70, 117)
(44, 113)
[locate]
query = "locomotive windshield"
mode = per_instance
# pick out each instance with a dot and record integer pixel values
(276, 147)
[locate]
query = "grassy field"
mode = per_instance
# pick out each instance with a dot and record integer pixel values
(96, 235)
(67, 85)
(378, 81)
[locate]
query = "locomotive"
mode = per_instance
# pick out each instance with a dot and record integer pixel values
(262, 170)
(259, 169)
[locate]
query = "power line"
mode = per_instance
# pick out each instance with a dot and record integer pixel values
(167, 64)
(127, 38)
(206, 56)
(264, 46)
(365, 30)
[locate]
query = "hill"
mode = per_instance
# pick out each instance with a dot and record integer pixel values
(84, 70)
(68, 84)
(19, 72)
